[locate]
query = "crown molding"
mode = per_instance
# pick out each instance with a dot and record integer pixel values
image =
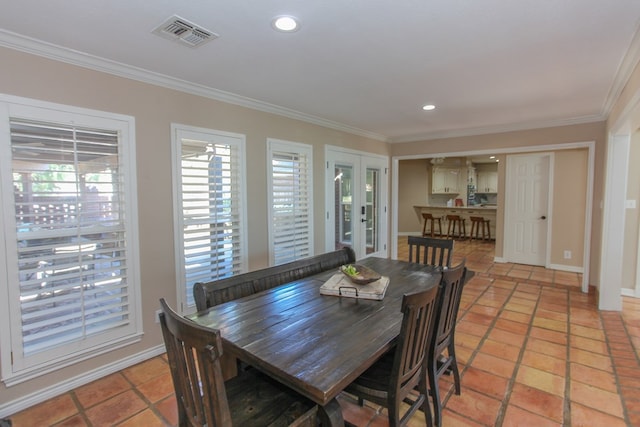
(625, 69)
(48, 50)
(497, 129)
(44, 49)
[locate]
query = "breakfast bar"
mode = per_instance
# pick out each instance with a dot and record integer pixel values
(465, 212)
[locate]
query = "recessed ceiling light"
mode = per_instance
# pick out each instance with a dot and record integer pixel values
(492, 157)
(429, 107)
(287, 24)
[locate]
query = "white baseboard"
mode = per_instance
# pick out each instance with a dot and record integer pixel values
(569, 268)
(24, 402)
(559, 267)
(626, 292)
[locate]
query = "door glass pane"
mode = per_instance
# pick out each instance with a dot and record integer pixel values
(371, 204)
(343, 185)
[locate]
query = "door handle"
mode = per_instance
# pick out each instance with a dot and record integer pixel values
(363, 220)
(543, 217)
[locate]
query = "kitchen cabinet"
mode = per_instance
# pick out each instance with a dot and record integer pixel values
(444, 180)
(487, 182)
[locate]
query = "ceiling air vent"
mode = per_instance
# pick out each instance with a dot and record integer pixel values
(182, 31)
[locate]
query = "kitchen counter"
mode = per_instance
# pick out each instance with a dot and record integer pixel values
(465, 212)
(491, 207)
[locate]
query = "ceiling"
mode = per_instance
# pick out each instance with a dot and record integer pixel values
(364, 66)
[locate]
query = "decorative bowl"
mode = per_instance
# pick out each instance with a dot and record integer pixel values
(362, 274)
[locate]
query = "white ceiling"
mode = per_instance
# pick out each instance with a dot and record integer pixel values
(366, 66)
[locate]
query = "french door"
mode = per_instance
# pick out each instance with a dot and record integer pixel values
(356, 189)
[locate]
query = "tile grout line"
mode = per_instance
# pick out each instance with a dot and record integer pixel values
(451, 390)
(636, 357)
(81, 409)
(606, 323)
(566, 404)
(505, 402)
(490, 329)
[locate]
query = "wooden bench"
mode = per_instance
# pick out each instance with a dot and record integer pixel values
(208, 294)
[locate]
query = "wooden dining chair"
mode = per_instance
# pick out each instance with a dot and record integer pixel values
(204, 399)
(391, 380)
(441, 355)
(430, 251)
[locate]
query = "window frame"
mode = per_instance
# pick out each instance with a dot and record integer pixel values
(239, 141)
(292, 148)
(17, 368)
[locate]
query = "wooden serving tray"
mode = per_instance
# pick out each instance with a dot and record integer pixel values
(363, 276)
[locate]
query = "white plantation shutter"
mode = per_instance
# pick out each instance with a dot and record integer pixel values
(211, 208)
(290, 200)
(70, 282)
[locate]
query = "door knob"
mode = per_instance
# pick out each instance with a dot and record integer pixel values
(543, 217)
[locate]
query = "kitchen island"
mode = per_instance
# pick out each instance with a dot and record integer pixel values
(487, 212)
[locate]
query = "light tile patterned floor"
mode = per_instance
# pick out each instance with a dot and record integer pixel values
(533, 351)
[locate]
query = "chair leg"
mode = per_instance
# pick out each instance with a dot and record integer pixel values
(426, 407)
(434, 390)
(454, 366)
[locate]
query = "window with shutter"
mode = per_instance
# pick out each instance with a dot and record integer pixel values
(210, 207)
(68, 212)
(290, 201)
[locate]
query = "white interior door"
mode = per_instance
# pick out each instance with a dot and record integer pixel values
(527, 208)
(356, 188)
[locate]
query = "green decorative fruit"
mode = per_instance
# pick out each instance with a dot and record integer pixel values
(350, 270)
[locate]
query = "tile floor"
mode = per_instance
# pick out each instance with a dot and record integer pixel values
(533, 351)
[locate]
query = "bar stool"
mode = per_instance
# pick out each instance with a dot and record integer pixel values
(455, 221)
(477, 223)
(432, 220)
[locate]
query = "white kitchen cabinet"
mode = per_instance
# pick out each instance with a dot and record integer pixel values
(487, 182)
(445, 180)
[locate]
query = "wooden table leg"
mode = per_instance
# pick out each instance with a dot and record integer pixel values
(331, 414)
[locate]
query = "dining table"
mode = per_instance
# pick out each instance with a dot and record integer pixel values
(317, 344)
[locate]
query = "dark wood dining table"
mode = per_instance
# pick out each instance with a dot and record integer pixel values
(317, 344)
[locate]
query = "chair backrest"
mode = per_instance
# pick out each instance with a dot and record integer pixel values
(430, 251)
(411, 350)
(194, 359)
(448, 305)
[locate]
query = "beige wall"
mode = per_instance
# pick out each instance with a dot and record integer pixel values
(569, 200)
(414, 176)
(625, 119)
(631, 224)
(154, 109)
(573, 187)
